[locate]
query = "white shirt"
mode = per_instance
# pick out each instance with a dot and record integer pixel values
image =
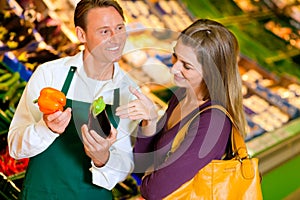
(28, 134)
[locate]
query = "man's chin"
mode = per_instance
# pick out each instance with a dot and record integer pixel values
(113, 58)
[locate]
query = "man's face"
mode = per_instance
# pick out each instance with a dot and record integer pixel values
(105, 34)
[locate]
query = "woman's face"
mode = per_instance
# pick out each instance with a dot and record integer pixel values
(186, 68)
(105, 34)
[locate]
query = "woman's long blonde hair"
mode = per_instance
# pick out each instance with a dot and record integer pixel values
(217, 50)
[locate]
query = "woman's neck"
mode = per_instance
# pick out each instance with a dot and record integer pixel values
(193, 98)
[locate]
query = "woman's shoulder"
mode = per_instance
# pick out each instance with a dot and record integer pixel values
(212, 114)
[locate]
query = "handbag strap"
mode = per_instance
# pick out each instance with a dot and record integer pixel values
(237, 142)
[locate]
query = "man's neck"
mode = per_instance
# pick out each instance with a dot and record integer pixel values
(99, 71)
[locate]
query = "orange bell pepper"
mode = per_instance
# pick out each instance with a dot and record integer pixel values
(51, 100)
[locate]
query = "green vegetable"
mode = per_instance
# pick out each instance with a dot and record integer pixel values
(3, 71)
(14, 101)
(3, 130)
(22, 85)
(4, 77)
(2, 94)
(9, 113)
(5, 85)
(4, 118)
(13, 95)
(11, 91)
(97, 106)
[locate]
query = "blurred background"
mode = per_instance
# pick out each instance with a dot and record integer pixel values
(35, 31)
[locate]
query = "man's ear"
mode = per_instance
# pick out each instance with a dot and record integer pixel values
(80, 34)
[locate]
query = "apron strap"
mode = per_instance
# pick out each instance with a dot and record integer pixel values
(111, 109)
(68, 80)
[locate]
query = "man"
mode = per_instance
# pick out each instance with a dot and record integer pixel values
(65, 156)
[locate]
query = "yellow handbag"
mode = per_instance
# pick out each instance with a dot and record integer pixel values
(234, 179)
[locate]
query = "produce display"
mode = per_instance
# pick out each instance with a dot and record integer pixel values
(140, 11)
(290, 9)
(11, 89)
(9, 166)
(33, 39)
(247, 19)
(14, 32)
(41, 32)
(263, 105)
(286, 33)
(8, 188)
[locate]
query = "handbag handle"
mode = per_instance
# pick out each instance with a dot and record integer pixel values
(238, 145)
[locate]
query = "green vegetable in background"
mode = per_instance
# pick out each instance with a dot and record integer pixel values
(5, 77)
(4, 118)
(3, 71)
(6, 85)
(10, 92)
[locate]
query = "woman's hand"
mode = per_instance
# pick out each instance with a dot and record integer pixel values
(97, 147)
(58, 121)
(140, 109)
(143, 109)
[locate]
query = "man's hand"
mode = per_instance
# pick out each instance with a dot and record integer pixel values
(58, 121)
(97, 147)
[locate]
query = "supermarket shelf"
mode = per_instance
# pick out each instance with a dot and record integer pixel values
(294, 195)
(64, 14)
(15, 6)
(8, 190)
(273, 151)
(279, 154)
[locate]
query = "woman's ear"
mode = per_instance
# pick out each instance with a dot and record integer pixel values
(80, 34)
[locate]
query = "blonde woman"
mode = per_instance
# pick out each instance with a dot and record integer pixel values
(206, 72)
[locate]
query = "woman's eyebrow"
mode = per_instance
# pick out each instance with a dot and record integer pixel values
(183, 61)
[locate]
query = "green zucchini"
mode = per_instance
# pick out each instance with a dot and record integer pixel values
(14, 100)
(22, 85)
(3, 71)
(5, 77)
(4, 118)
(3, 131)
(10, 92)
(9, 113)
(5, 85)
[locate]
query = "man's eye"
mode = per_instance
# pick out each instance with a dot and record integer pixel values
(105, 32)
(120, 27)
